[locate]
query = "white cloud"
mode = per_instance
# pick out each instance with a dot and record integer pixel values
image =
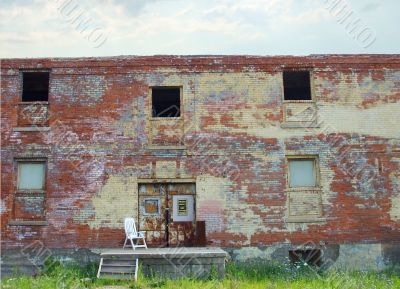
(371, 6)
(39, 28)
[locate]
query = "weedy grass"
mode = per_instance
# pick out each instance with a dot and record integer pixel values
(260, 275)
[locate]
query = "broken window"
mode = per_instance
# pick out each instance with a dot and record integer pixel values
(31, 175)
(302, 173)
(35, 86)
(166, 101)
(311, 257)
(296, 85)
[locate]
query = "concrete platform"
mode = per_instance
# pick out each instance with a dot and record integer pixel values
(177, 251)
(178, 262)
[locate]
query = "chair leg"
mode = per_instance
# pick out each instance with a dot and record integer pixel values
(144, 241)
(126, 239)
(133, 245)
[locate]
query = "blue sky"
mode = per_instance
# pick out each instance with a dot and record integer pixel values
(50, 28)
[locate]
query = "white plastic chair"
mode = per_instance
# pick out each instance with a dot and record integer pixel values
(132, 234)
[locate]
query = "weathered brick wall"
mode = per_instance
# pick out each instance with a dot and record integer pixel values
(231, 140)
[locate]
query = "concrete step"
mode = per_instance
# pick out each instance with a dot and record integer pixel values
(119, 262)
(121, 257)
(117, 276)
(118, 267)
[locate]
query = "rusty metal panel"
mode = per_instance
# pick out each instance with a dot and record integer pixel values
(154, 222)
(155, 202)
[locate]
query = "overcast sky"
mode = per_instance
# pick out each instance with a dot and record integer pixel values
(63, 28)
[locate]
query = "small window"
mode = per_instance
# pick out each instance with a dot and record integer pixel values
(296, 85)
(35, 86)
(151, 207)
(312, 257)
(166, 102)
(302, 173)
(31, 175)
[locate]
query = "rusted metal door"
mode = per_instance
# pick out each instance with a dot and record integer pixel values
(167, 213)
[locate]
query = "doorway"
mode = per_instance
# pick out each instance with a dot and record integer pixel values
(167, 213)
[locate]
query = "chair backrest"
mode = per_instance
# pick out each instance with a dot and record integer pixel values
(130, 227)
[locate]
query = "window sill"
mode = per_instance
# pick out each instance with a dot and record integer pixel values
(299, 101)
(28, 223)
(31, 128)
(166, 180)
(305, 124)
(303, 189)
(166, 147)
(305, 219)
(165, 118)
(30, 193)
(33, 102)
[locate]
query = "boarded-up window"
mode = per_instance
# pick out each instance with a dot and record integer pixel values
(302, 173)
(31, 175)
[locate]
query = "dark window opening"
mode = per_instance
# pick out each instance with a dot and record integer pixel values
(312, 257)
(296, 85)
(166, 102)
(35, 86)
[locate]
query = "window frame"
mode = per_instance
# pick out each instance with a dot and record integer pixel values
(300, 69)
(180, 87)
(20, 161)
(316, 168)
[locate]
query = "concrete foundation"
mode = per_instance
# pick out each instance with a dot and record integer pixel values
(343, 257)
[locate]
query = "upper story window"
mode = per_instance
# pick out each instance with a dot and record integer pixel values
(302, 172)
(35, 86)
(166, 101)
(296, 85)
(31, 175)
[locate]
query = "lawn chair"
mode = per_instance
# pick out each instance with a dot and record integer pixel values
(132, 234)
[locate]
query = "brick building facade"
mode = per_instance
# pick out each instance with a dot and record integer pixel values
(267, 153)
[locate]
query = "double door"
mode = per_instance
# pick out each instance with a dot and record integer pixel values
(167, 213)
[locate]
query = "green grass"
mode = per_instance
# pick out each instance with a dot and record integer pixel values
(254, 276)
